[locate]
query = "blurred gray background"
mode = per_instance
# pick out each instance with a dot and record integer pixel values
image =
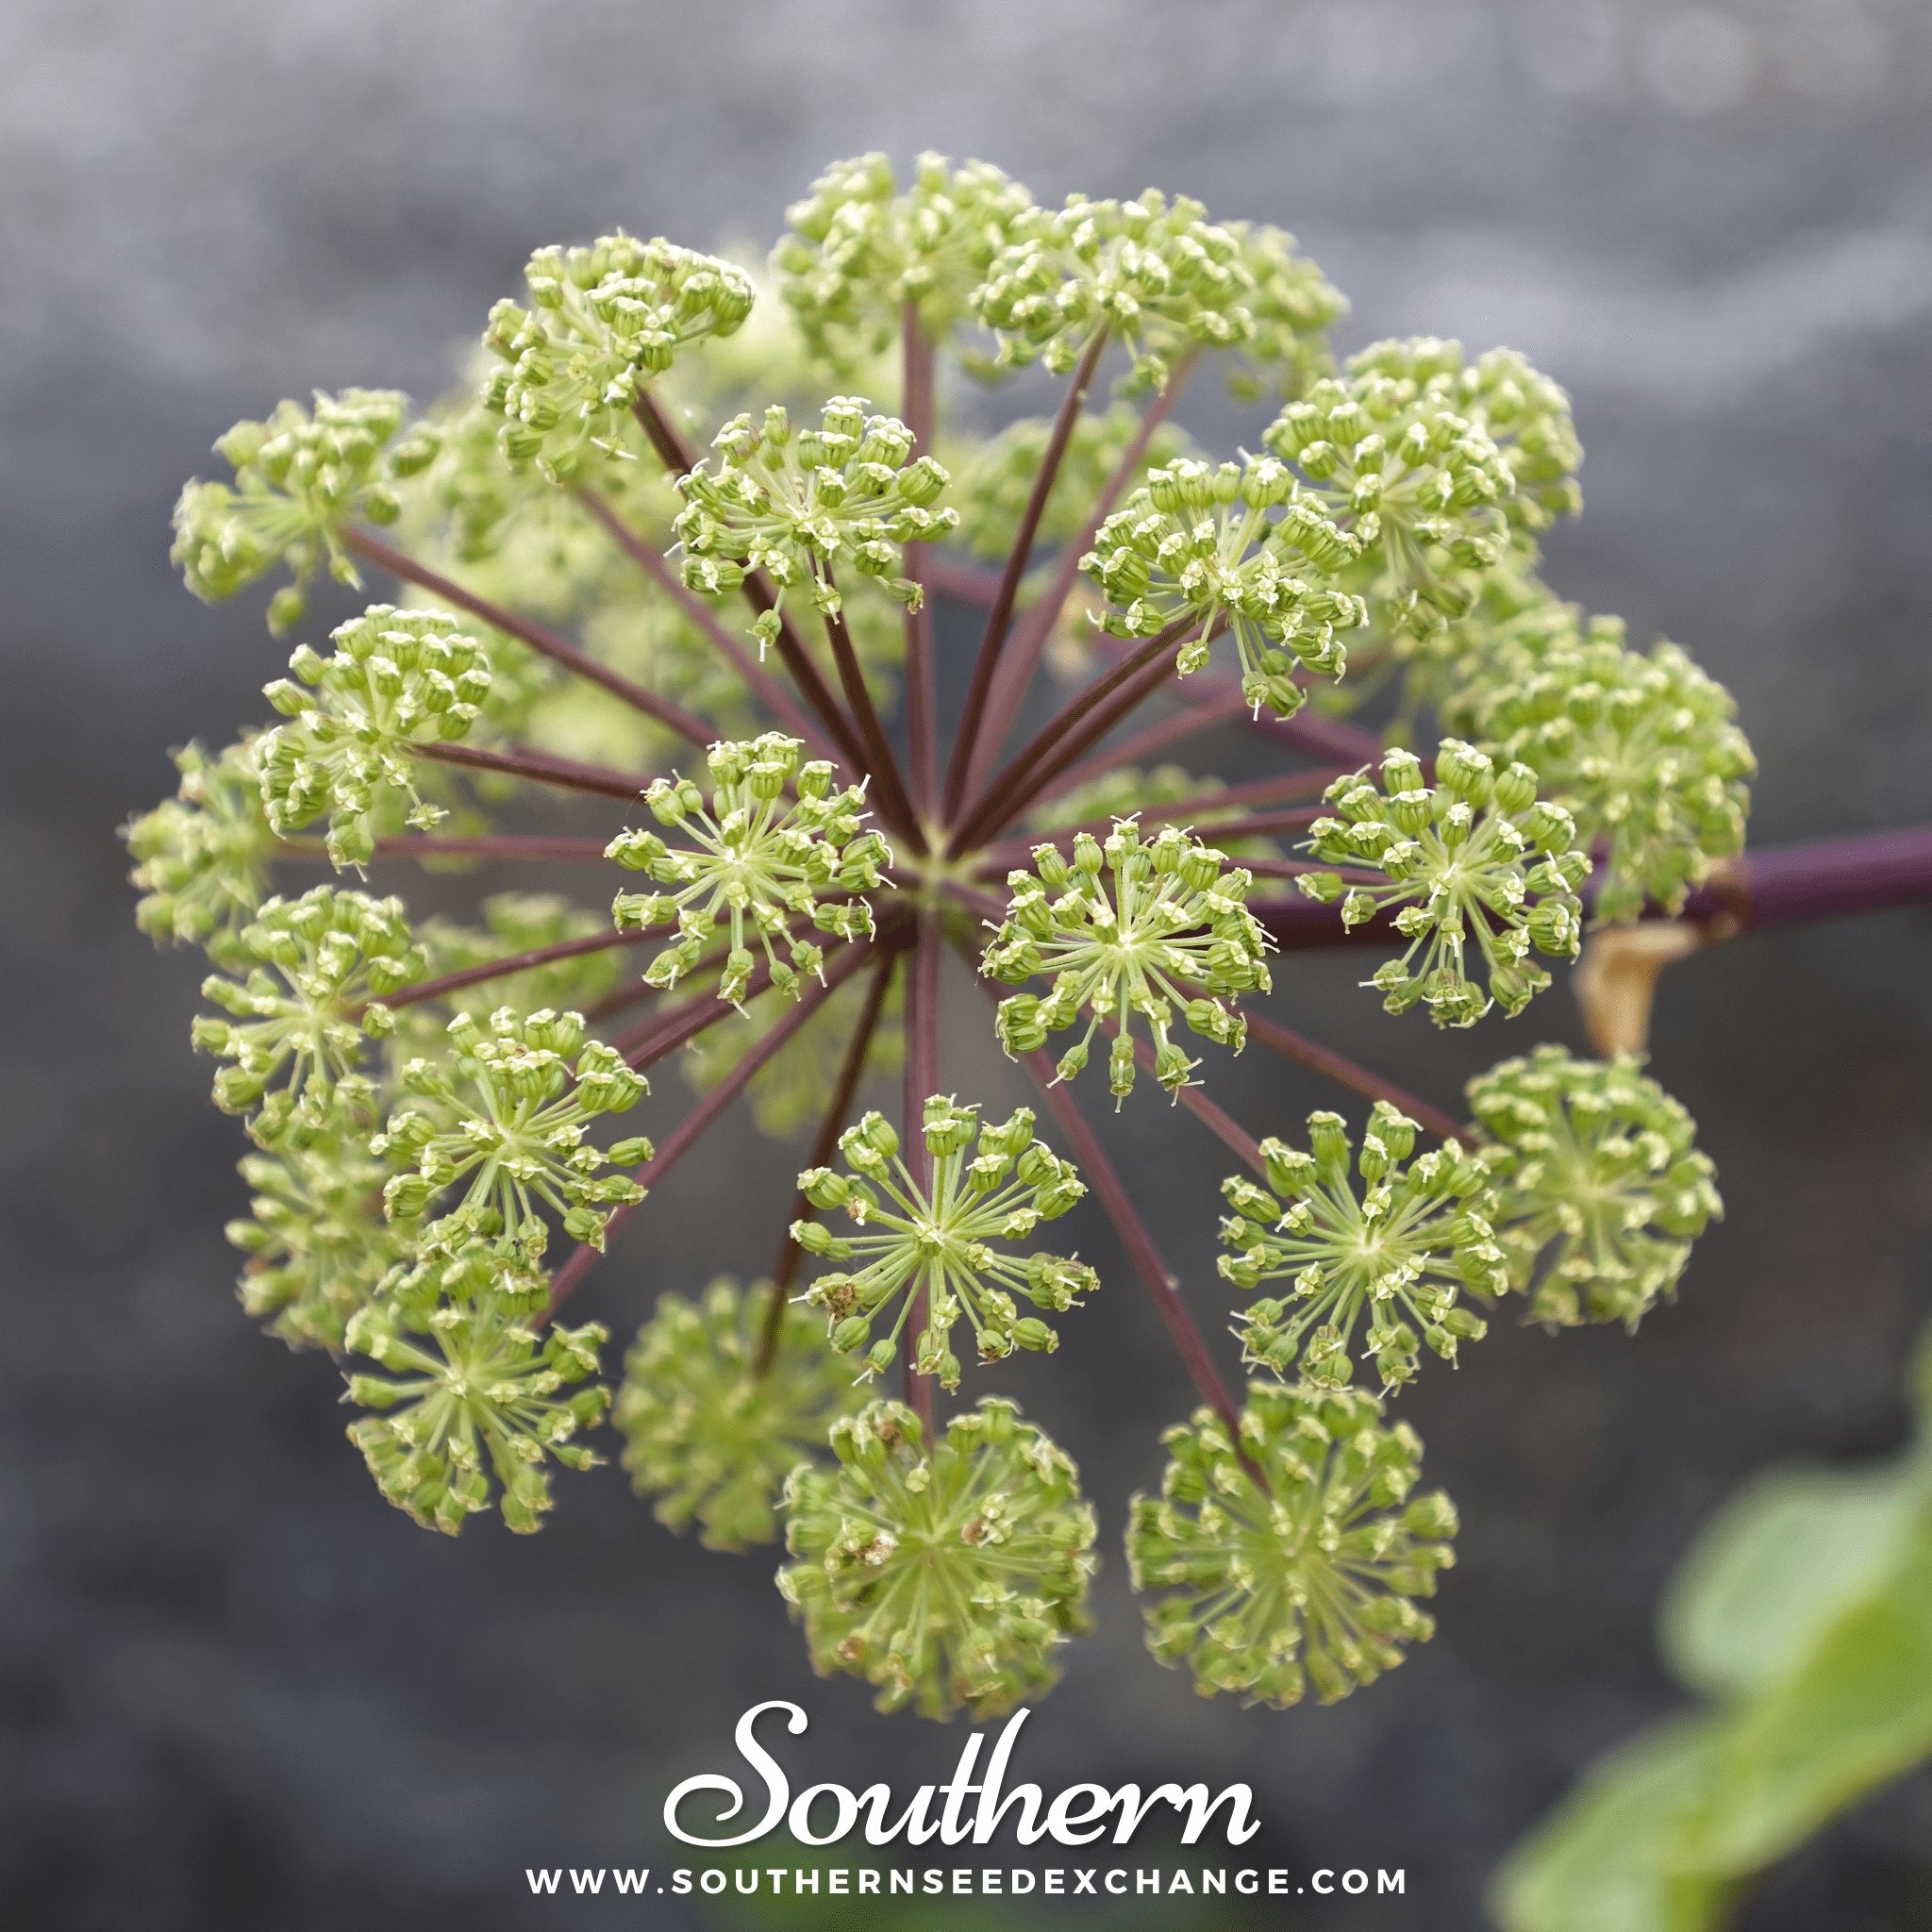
(238, 1690)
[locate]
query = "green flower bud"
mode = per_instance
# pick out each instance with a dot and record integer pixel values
(1643, 752)
(317, 1248)
(604, 322)
(843, 494)
(1434, 470)
(823, 1188)
(948, 1127)
(1162, 278)
(1160, 560)
(300, 1017)
(398, 679)
(816, 1239)
(859, 250)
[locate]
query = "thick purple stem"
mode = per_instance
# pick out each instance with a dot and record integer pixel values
(422, 989)
(539, 766)
(540, 640)
(894, 806)
(701, 1117)
(1821, 878)
(1162, 1284)
(1160, 1281)
(421, 845)
(648, 1043)
(922, 1082)
(999, 619)
(1332, 739)
(1156, 736)
(1009, 793)
(1347, 1072)
(679, 458)
(1779, 886)
(824, 1143)
(773, 694)
(1023, 661)
(1200, 810)
(922, 717)
(966, 583)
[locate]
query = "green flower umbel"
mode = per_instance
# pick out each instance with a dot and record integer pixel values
(939, 1239)
(601, 322)
(1475, 861)
(509, 1114)
(755, 856)
(299, 478)
(1167, 935)
(1645, 751)
(1161, 278)
(1309, 1584)
(796, 504)
(396, 680)
(471, 1393)
(318, 1246)
(859, 250)
(1501, 396)
(706, 1433)
(1233, 545)
(202, 857)
(1390, 1261)
(1432, 469)
(317, 967)
(1602, 1189)
(945, 1577)
(657, 451)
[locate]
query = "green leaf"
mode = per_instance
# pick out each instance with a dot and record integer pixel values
(1781, 1561)
(1856, 1713)
(1812, 1604)
(1607, 1861)
(1918, 1382)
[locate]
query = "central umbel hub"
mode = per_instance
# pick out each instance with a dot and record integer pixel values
(927, 879)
